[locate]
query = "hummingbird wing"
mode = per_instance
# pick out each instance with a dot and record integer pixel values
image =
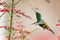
(38, 16)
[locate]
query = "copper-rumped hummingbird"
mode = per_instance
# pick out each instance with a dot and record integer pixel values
(41, 22)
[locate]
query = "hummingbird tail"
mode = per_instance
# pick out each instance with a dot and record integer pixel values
(52, 31)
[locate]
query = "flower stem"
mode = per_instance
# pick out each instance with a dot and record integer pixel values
(11, 18)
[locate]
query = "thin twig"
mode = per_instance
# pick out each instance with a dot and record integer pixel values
(2, 15)
(17, 2)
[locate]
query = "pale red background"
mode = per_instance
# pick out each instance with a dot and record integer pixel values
(50, 13)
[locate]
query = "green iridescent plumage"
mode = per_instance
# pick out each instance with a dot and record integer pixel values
(41, 22)
(38, 17)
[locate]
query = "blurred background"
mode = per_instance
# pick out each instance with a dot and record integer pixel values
(50, 12)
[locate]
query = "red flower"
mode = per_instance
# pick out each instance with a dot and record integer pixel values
(4, 10)
(17, 11)
(57, 24)
(0, 3)
(27, 32)
(6, 36)
(2, 26)
(20, 36)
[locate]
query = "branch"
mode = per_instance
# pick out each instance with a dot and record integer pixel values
(26, 16)
(2, 15)
(17, 2)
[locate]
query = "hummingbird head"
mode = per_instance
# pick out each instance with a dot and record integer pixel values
(35, 9)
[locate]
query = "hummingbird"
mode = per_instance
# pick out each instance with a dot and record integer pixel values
(40, 22)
